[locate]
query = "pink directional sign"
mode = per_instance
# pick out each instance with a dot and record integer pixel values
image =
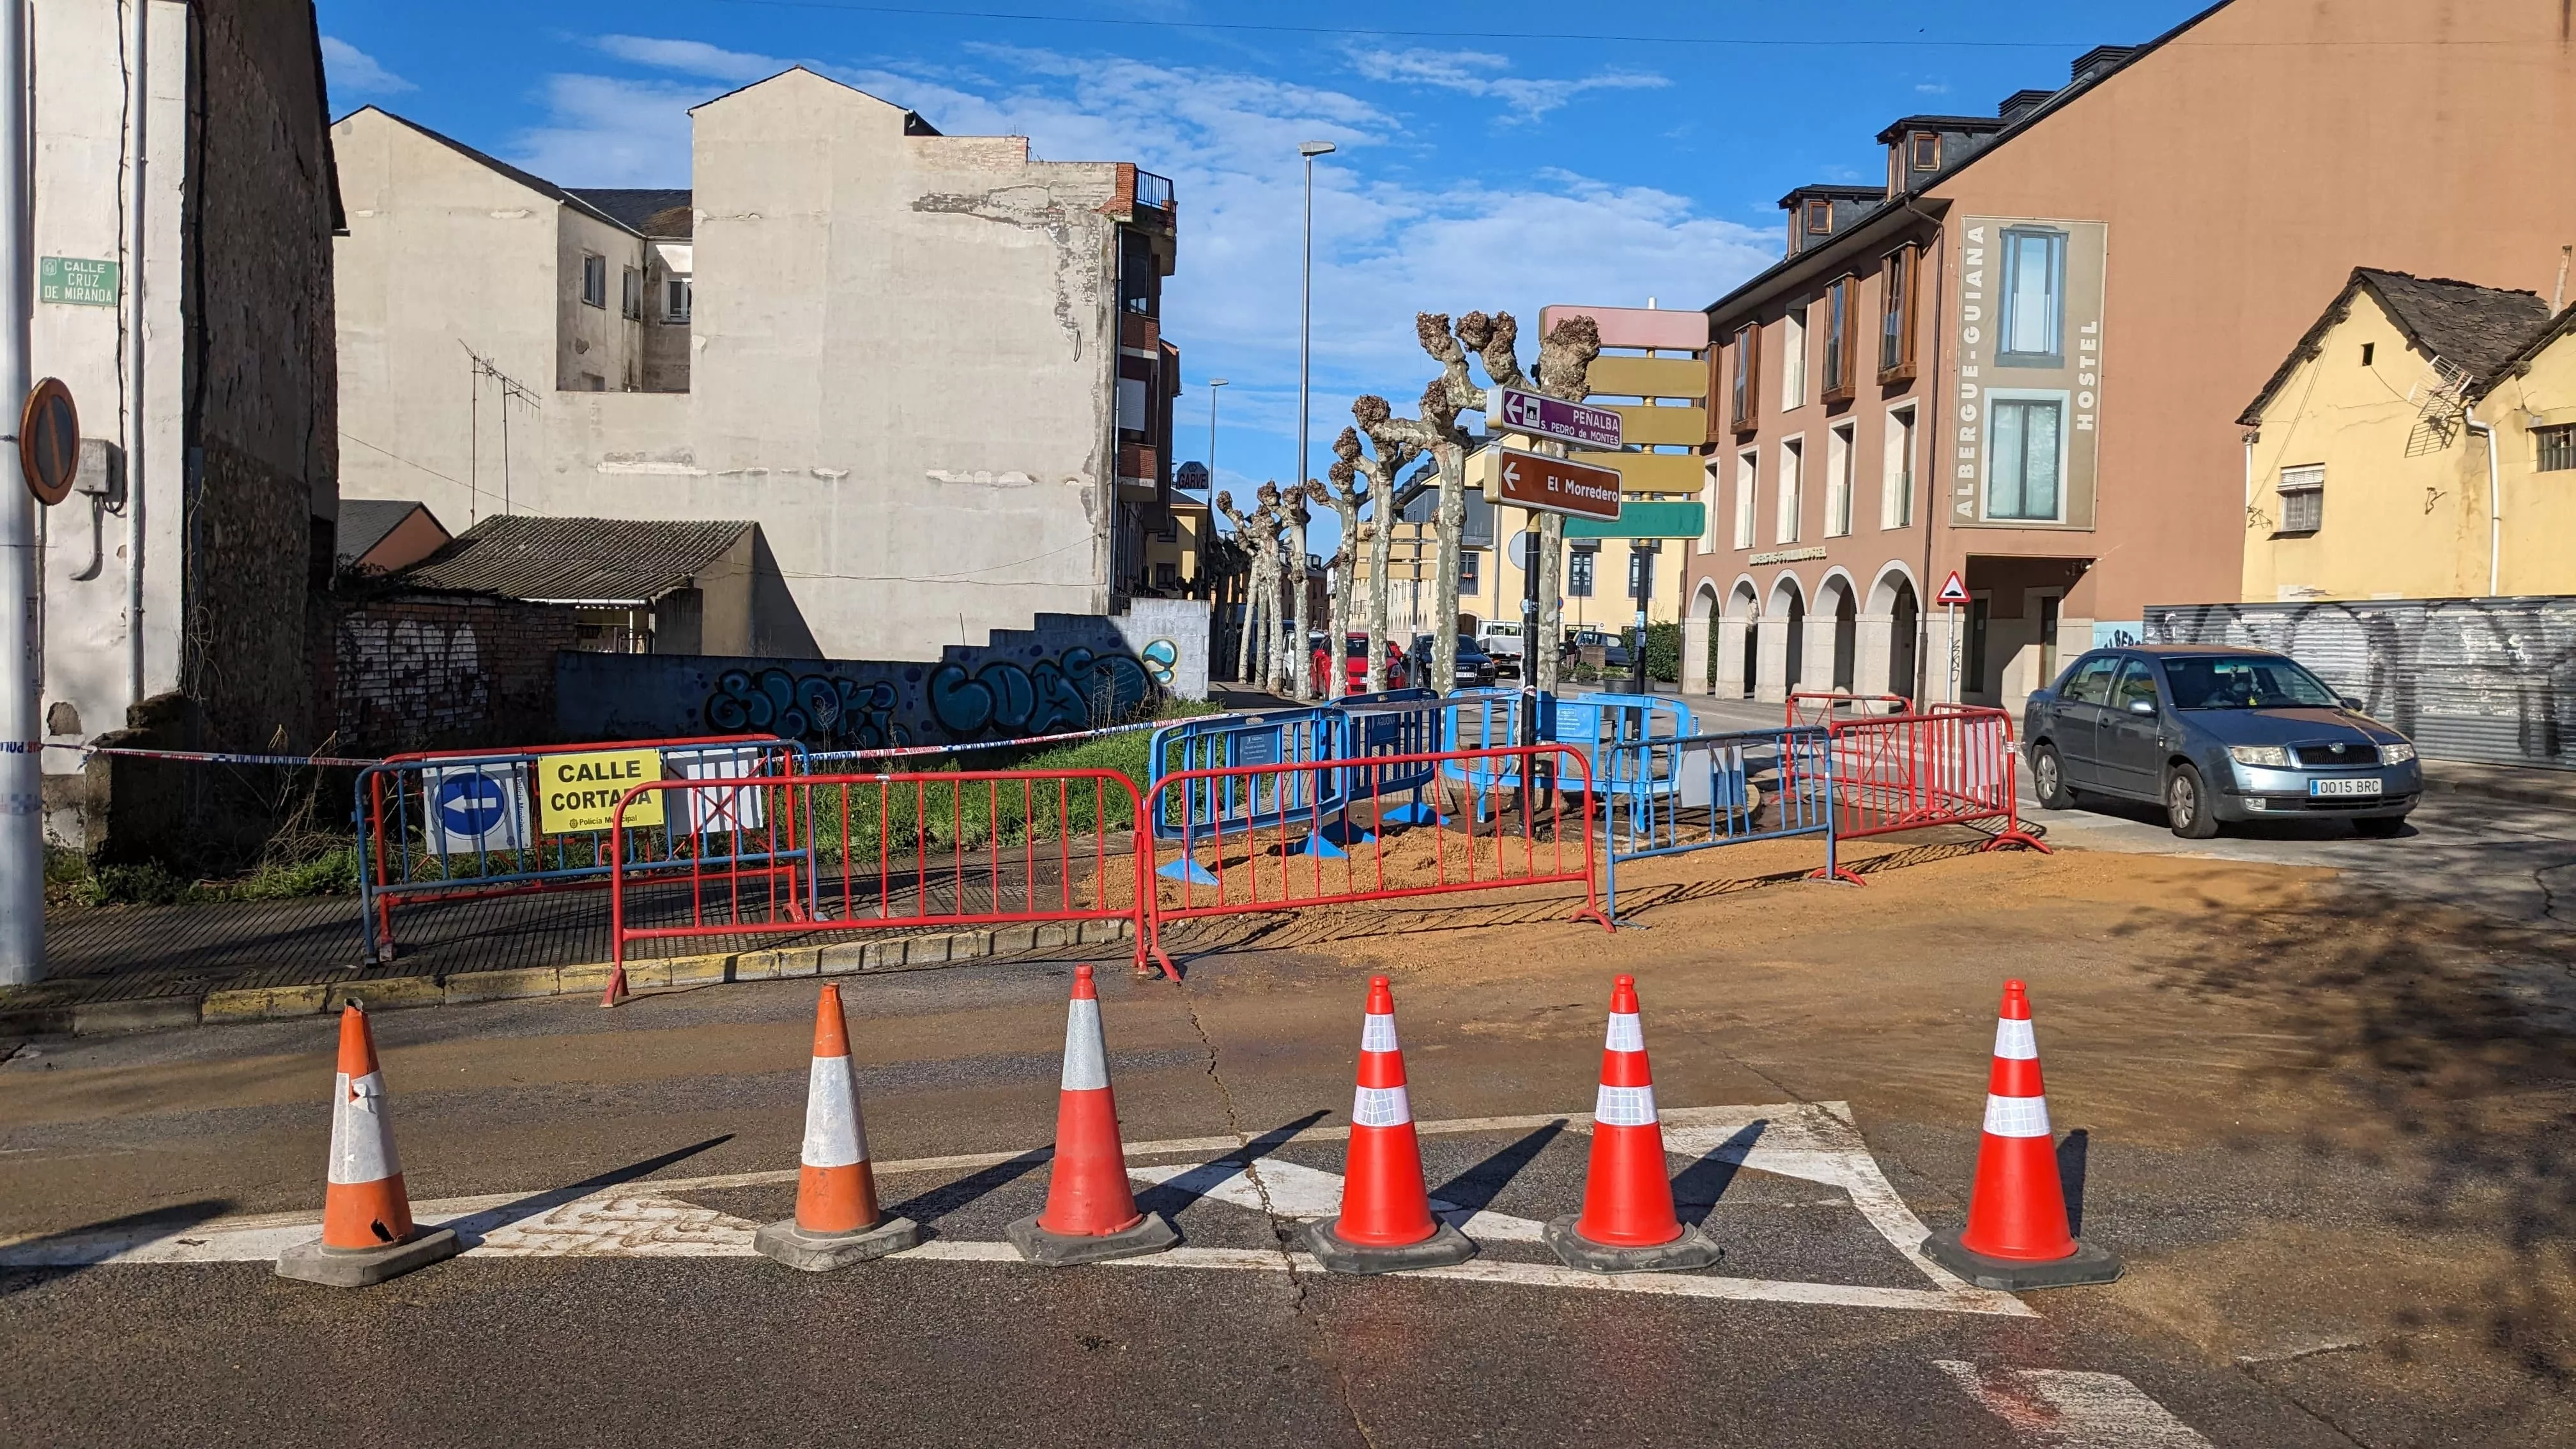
(1509, 409)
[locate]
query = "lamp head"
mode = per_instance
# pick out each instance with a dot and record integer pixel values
(1312, 149)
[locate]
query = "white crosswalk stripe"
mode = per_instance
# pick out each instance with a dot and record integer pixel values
(2072, 1409)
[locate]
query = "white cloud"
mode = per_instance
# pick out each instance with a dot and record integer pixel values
(692, 57)
(1475, 73)
(354, 72)
(1384, 248)
(602, 131)
(1931, 88)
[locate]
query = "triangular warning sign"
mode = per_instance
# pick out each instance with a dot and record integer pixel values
(1954, 591)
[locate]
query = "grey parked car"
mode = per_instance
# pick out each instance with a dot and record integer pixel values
(2216, 735)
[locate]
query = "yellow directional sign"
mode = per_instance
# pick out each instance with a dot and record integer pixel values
(579, 792)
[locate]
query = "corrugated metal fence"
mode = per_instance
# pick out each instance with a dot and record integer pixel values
(2492, 680)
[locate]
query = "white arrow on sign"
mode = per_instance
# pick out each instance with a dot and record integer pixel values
(1511, 472)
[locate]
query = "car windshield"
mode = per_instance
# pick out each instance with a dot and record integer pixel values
(2244, 682)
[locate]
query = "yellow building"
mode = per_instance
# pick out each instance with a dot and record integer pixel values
(1172, 550)
(2420, 443)
(1596, 579)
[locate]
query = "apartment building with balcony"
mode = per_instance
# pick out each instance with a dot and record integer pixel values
(2022, 360)
(930, 367)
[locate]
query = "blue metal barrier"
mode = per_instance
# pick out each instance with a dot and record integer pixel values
(492, 822)
(1600, 722)
(1391, 722)
(1211, 809)
(1697, 792)
(1490, 719)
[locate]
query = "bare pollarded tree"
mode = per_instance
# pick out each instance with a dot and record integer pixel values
(1345, 498)
(1257, 532)
(1564, 364)
(1295, 517)
(1398, 443)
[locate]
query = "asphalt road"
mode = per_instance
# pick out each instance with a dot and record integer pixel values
(2331, 1241)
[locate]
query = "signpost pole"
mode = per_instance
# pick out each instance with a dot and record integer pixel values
(1644, 551)
(22, 819)
(1529, 626)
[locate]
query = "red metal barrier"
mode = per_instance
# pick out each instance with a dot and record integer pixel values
(897, 852)
(1954, 766)
(1815, 707)
(1494, 834)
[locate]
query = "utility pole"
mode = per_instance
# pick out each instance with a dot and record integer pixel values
(1306, 301)
(22, 793)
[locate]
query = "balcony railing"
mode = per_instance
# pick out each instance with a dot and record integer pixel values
(1152, 190)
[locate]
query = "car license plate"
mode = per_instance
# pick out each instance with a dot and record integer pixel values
(2343, 787)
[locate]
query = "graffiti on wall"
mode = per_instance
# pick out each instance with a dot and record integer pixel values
(1070, 672)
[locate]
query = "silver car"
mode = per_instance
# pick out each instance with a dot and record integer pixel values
(2216, 735)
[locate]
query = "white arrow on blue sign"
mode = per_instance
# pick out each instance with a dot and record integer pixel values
(476, 808)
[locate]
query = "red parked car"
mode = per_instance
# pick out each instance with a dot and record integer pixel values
(1355, 648)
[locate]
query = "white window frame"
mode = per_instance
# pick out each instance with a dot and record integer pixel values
(594, 280)
(1896, 476)
(630, 294)
(1793, 358)
(1748, 484)
(1791, 483)
(1842, 442)
(2304, 481)
(1708, 502)
(2065, 437)
(677, 286)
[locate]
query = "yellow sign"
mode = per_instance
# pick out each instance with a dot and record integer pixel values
(579, 792)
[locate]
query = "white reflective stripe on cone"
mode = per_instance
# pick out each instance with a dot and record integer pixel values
(2014, 1041)
(1625, 1034)
(362, 1149)
(1086, 1068)
(834, 1136)
(1377, 1034)
(1625, 1106)
(1380, 1107)
(2016, 1116)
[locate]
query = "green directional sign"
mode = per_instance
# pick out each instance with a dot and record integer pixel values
(77, 281)
(1644, 520)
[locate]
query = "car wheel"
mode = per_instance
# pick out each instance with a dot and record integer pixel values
(2382, 827)
(2187, 804)
(2048, 779)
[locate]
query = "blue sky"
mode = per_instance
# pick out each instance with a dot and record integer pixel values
(1542, 154)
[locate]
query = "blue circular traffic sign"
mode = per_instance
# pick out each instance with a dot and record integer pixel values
(471, 804)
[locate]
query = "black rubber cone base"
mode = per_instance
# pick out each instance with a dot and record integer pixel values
(359, 1267)
(2089, 1264)
(1056, 1250)
(822, 1252)
(1691, 1251)
(1442, 1248)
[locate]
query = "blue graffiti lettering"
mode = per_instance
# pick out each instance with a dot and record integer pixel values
(823, 711)
(1004, 699)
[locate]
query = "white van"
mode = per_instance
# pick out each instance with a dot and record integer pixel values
(1503, 641)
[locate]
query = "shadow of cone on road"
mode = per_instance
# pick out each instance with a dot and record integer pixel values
(2017, 1235)
(367, 1231)
(1091, 1211)
(1628, 1224)
(1385, 1224)
(837, 1220)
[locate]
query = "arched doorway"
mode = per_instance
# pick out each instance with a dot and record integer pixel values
(1699, 641)
(1846, 641)
(1905, 634)
(1740, 612)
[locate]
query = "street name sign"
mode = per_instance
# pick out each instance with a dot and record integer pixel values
(1549, 485)
(1511, 410)
(1641, 519)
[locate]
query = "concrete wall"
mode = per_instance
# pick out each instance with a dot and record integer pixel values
(1072, 672)
(901, 360)
(598, 349)
(80, 94)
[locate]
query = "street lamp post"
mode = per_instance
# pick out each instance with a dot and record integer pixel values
(1213, 384)
(1306, 298)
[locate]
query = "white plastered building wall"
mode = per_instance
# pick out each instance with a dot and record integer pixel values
(902, 365)
(81, 187)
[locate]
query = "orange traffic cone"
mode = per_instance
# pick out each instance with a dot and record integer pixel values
(837, 1220)
(1386, 1223)
(1091, 1211)
(2017, 1235)
(367, 1231)
(1627, 1224)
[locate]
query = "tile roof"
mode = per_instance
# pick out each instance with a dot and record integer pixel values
(2481, 330)
(364, 522)
(628, 561)
(656, 211)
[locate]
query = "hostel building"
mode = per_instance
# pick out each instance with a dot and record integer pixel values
(2024, 358)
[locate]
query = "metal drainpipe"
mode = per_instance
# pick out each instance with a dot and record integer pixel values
(138, 39)
(2495, 502)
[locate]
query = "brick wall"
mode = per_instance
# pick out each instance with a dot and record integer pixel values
(438, 671)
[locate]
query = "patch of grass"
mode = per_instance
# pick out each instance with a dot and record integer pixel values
(70, 880)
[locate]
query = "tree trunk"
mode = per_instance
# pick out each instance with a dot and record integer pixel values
(1295, 566)
(1450, 521)
(1381, 547)
(1542, 651)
